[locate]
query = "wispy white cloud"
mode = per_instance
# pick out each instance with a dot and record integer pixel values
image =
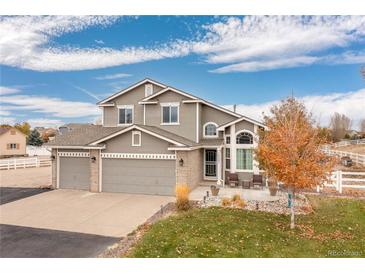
(113, 76)
(42, 122)
(251, 43)
(7, 120)
(256, 43)
(99, 41)
(8, 90)
(87, 92)
(54, 107)
(321, 106)
(25, 42)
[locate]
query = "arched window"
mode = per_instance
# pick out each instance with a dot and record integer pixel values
(244, 138)
(210, 129)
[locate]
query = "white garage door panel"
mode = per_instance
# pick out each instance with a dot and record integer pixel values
(139, 176)
(74, 173)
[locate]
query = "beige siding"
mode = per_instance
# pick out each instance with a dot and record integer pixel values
(210, 114)
(9, 138)
(244, 125)
(130, 98)
(187, 115)
(149, 144)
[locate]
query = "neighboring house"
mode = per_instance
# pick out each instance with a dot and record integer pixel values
(153, 137)
(12, 142)
(49, 131)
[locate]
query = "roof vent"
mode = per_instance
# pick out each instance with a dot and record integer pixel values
(234, 107)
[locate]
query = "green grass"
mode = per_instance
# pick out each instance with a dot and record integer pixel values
(337, 225)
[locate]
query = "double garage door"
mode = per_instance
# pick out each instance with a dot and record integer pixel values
(141, 176)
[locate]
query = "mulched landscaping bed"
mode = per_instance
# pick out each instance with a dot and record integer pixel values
(302, 205)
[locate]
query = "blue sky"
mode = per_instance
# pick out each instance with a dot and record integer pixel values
(54, 69)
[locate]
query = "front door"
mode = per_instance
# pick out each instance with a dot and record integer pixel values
(210, 160)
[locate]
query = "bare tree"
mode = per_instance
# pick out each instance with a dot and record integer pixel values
(340, 124)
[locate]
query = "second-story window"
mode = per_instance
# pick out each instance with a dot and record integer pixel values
(170, 113)
(125, 115)
(210, 130)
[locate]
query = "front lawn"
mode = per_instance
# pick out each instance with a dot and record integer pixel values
(335, 229)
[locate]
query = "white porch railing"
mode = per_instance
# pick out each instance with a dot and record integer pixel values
(355, 157)
(15, 163)
(345, 179)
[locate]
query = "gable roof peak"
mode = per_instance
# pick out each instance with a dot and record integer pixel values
(123, 91)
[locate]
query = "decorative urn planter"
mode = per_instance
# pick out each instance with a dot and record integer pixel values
(214, 189)
(273, 187)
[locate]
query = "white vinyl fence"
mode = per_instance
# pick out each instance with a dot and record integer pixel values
(346, 179)
(15, 163)
(37, 151)
(355, 157)
(349, 142)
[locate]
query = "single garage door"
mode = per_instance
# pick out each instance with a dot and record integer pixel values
(139, 176)
(75, 173)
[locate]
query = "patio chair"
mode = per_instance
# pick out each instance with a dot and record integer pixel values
(257, 180)
(233, 179)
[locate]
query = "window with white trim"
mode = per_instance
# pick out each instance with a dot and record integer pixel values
(210, 130)
(244, 138)
(228, 158)
(244, 159)
(125, 115)
(136, 138)
(148, 90)
(170, 113)
(13, 146)
(228, 140)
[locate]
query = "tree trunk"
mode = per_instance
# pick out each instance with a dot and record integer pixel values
(292, 219)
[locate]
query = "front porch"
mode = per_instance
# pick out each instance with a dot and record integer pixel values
(199, 192)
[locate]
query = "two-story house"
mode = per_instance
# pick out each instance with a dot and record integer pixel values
(153, 137)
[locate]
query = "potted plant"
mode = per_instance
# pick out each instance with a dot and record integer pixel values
(214, 189)
(273, 186)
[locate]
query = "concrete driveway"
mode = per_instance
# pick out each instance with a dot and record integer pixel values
(105, 214)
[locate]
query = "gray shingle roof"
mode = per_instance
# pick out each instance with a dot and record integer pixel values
(81, 135)
(169, 135)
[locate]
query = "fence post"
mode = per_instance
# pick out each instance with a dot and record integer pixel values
(317, 188)
(15, 163)
(339, 181)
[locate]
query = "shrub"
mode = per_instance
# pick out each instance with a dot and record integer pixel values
(236, 197)
(226, 202)
(240, 203)
(182, 197)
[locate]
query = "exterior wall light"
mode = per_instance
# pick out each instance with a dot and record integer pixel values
(93, 159)
(181, 162)
(53, 157)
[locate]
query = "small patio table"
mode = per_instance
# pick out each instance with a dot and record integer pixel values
(246, 183)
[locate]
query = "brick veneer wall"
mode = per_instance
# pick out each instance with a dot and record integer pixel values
(191, 172)
(94, 170)
(54, 168)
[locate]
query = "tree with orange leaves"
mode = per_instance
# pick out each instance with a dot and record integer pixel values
(290, 150)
